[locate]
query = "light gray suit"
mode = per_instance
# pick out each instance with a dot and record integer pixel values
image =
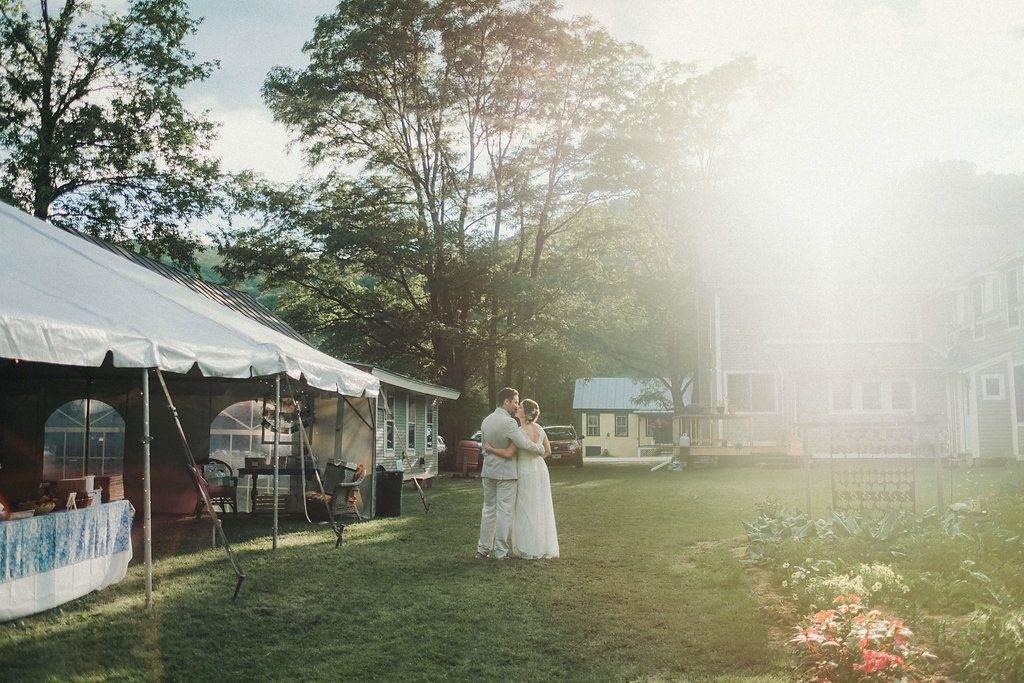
(499, 480)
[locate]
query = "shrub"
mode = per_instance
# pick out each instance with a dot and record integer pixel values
(992, 645)
(816, 584)
(849, 642)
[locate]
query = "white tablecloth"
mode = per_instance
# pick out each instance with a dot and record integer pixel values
(48, 560)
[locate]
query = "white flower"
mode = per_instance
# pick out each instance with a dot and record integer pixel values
(785, 584)
(785, 565)
(877, 587)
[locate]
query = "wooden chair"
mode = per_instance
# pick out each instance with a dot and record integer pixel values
(344, 488)
(221, 484)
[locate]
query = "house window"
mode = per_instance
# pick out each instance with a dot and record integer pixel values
(751, 392)
(593, 424)
(410, 419)
(842, 395)
(871, 396)
(902, 395)
(1012, 300)
(992, 387)
(390, 422)
(430, 423)
(621, 425)
(649, 427)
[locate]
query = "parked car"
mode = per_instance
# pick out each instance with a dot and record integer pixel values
(566, 446)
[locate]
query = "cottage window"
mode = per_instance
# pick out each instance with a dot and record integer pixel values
(410, 419)
(871, 396)
(430, 423)
(83, 437)
(992, 387)
(621, 425)
(593, 424)
(390, 422)
(902, 395)
(1012, 299)
(751, 392)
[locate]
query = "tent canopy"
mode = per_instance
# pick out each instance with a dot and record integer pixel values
(68, 301)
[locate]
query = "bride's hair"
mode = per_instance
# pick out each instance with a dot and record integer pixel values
(530, 409)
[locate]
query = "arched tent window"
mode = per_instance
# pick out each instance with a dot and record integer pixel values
(83, 437)
(236, 434)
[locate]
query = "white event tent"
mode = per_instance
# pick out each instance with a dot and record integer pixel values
(67, 301)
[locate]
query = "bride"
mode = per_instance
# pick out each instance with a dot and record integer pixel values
(534, 535)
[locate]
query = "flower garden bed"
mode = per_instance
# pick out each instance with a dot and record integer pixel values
(857, 582)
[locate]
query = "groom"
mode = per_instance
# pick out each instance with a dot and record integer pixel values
(499, 475)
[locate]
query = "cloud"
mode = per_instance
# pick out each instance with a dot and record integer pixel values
(249, 139)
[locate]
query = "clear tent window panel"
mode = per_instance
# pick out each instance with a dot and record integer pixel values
(83, 433)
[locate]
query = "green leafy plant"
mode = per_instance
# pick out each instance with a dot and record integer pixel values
(992, 645)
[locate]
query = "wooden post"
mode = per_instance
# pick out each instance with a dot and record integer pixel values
(147, 485)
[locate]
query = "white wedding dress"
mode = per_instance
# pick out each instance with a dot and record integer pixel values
(534, 536)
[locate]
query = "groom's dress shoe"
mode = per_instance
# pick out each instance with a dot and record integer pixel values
(481, 556)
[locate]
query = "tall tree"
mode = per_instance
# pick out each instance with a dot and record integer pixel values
(457, 136)
(93, 132)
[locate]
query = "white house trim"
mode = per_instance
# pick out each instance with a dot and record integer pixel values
(1012, 390)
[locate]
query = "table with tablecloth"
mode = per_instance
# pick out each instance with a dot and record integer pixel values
(50, 559)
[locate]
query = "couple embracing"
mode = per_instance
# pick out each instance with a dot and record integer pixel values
(518, 517)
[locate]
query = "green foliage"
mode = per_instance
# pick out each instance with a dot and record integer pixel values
(468, 161)
(992, 645)
(93, 133)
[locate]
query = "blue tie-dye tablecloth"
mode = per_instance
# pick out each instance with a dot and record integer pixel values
(57, 557)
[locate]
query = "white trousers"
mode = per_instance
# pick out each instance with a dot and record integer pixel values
(496, 518)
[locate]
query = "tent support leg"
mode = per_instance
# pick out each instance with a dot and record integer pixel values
(219, 528)
(147, 487)
(277, 443)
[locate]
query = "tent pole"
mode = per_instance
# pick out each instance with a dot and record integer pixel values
(277, 443)
(147, 487)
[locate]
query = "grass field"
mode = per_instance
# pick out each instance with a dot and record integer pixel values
(648, 588)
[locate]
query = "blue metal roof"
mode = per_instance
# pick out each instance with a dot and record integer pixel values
(618, 393)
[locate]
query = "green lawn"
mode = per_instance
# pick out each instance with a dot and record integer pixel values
(648, 587)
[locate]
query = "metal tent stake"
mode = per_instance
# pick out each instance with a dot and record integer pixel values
(218, 527)
(147, 487)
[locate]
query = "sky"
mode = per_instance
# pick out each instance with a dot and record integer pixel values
(877, 87)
